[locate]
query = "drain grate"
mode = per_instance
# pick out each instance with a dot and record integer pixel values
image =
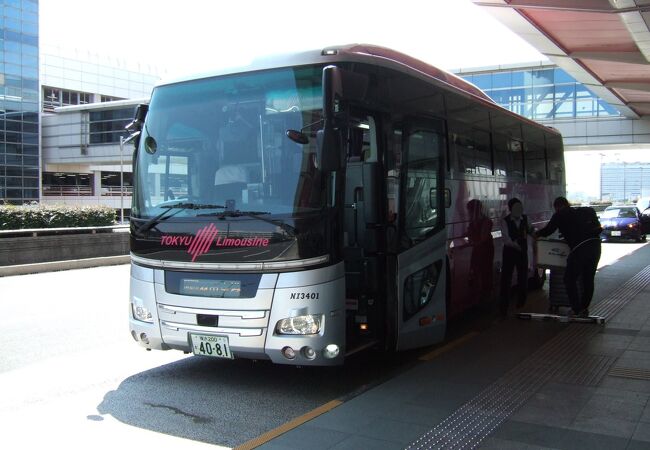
(630, 372)
(560, 358)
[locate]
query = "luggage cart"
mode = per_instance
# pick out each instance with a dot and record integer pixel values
(552, 255)
(557, 294)
(561, 318)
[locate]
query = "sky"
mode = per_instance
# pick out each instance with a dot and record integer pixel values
(182, 37)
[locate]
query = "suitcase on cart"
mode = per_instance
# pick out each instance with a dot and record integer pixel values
(552, 255)
(557, 294)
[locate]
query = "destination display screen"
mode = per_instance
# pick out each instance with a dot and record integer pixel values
(214, 285)
(211, 288)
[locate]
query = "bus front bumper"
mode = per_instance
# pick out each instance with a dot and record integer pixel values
(170, 321)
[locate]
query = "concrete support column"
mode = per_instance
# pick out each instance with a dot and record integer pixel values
(97, 184)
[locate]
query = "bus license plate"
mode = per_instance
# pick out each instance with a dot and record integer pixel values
(210, 345)
(616, 233)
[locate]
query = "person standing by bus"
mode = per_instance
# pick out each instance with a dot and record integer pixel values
(479, 236)
(515, 230)
(581, 230)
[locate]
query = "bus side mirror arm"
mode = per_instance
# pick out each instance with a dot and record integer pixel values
(135, 127)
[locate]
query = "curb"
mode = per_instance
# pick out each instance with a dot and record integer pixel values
(24, 269)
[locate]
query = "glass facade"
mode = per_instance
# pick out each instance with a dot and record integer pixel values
(541, 93)
(19, 101)
(106, 126)
(624, 182)
(54, 97)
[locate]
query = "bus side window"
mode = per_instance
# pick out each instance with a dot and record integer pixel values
(555, 159)
(472, 149)
(508, 156)
(535, 163)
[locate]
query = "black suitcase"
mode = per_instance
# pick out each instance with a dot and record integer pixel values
(557, 294)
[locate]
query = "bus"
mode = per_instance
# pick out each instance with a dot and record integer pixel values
(314, 205)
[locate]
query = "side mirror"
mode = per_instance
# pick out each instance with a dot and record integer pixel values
(138, 118)
(332, 93)
(135, 127)
(341, 85)
(329, 148)
(338, 85)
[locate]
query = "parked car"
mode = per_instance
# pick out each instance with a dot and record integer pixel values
(622, 222)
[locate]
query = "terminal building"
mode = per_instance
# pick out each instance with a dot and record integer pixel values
(86, 102)
(624, 182)
(49, 155)
(19, 102)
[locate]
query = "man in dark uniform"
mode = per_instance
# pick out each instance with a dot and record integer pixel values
(581, 230)
(515, 230)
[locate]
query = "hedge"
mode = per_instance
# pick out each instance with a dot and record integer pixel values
(58, 216)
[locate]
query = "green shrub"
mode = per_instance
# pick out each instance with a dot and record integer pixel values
(58, 216)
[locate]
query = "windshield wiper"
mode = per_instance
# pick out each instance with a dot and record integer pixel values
(291, 231)
(180, 207)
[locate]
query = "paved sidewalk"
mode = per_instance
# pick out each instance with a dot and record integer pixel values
(518, 385)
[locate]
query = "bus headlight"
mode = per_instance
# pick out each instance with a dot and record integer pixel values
(308, 324)
(140, 312)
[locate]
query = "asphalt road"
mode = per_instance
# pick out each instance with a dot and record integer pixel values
(70, 374)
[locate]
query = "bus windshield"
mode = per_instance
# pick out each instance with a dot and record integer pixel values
(222, 142)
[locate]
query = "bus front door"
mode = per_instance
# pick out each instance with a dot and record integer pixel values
(421, 293)
(421, 267)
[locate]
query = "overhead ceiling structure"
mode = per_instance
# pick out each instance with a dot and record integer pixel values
(603, 44)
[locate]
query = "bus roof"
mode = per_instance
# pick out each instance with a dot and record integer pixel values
(361, 53)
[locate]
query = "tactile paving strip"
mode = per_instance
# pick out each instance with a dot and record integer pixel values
(469, 425)
(621, 296)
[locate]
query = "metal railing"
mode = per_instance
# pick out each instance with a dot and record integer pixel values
(33, 232)
(115, 190)
(65, 191)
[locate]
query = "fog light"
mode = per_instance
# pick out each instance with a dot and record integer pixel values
(308, 352)
(144, 338)
(308, 324)
(288, 353)
(141, 313)
(134, 336)
(331, 351)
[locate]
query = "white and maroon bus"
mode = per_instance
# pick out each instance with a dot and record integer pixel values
(313, 205)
